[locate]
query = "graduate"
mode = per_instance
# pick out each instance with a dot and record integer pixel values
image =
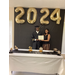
(35, 42)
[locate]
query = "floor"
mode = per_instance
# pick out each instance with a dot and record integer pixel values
(26, 73)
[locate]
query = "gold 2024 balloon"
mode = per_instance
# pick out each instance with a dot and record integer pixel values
(17, 19)
(29, 15)
(43, 17)
(58, 18)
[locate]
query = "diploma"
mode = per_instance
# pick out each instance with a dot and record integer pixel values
(40, 37)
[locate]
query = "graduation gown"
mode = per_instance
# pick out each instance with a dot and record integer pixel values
(36, 44)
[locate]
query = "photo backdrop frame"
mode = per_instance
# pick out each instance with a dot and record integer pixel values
(23, 32)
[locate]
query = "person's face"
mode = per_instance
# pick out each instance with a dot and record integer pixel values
(37, 28)
(46, 31)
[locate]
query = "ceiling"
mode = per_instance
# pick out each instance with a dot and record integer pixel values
(38, 3)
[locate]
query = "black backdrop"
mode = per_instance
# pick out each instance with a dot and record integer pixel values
(22, 32)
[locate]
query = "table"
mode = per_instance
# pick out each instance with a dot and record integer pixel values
(36, 63)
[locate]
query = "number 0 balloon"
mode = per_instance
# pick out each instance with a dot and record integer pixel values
(29, 15)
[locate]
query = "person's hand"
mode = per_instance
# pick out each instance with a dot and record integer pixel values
(37, 40)
(42, 40)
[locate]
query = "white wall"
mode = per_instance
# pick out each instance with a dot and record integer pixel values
(38, 3)
(11, 21)
(63, 40)
(10, 34)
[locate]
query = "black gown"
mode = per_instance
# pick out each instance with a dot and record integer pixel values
(36, 44)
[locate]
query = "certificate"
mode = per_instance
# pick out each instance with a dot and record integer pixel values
(40, 37)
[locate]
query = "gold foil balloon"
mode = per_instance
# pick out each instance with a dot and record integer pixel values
(16, 47)
(40, 49)
(55, 49)
(30, 49)
(29, 15)
(17, 19)
(58, 52)
(42, 21)
(57, 18)
(11, 49)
